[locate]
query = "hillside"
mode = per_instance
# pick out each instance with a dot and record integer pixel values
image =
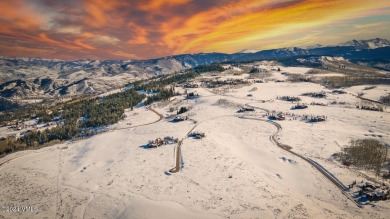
(22, 78)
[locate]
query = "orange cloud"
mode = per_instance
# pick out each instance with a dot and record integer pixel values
(101, 12)
(16, 16)
(123, 54)
(83, 45)
(152, 28)
(159, 4)
(45, 39)
(224, 32)
(140, 34)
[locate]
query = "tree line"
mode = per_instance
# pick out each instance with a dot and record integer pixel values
(95, 112)
(78, 118)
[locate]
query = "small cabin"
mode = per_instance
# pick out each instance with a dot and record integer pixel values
(180, 118)
(276, 117)
(317, 119)
(245, 109)
(192, 95)
(170, 140)
(158, 141)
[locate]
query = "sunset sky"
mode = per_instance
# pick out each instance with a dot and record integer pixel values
(121, 29)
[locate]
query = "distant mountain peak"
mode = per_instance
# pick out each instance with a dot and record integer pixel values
(291, 49)
(315, 46)
(367, 44)
(248, 51)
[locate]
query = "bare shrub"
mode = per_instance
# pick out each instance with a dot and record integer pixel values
(365, 153)
(385, 99)
(347, 81)
(228, 103)
(289, 98)
(298, 78)
(253, 89)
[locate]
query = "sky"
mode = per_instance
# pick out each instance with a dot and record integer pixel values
(144, 29)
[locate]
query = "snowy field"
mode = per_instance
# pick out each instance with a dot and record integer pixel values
(234, 172)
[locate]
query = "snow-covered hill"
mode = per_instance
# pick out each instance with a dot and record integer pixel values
(367, 44)
(26, 77)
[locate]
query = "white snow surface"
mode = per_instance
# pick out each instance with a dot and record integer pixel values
(234, 172)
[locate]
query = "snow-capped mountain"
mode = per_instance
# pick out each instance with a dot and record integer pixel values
(367, 44)
(315, 46)
(248, 51)
(26, 77)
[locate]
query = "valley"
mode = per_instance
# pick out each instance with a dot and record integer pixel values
(252, 161)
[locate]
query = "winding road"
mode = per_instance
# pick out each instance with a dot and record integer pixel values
(288, 148)
(149, 108)
(316, 165)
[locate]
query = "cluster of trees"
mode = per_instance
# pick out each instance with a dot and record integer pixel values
(162, 94)
(347, 81)
(7, 105)
(289, 98)
(385, 99)
(160, 82)
(209, 68)
(365, 153)
(19, 113)
(162, 86)
(77, 118)
(95, 112)
(254, 70)
(182, 110)
(163, 81)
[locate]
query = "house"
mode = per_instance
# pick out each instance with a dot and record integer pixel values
(190, 85)
(245, 109)
(276, 117)
(192, 95)
(170, 140)
(180, 118)
(158, 142)
(317, 119)
(155, 143)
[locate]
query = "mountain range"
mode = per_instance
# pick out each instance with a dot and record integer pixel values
(36, 77)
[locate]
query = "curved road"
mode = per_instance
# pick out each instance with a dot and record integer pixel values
(273, 139)
(149, 108)
(178, 157)
(319, 167)
(288, 148)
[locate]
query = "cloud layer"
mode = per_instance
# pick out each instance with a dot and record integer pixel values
(121, 29)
